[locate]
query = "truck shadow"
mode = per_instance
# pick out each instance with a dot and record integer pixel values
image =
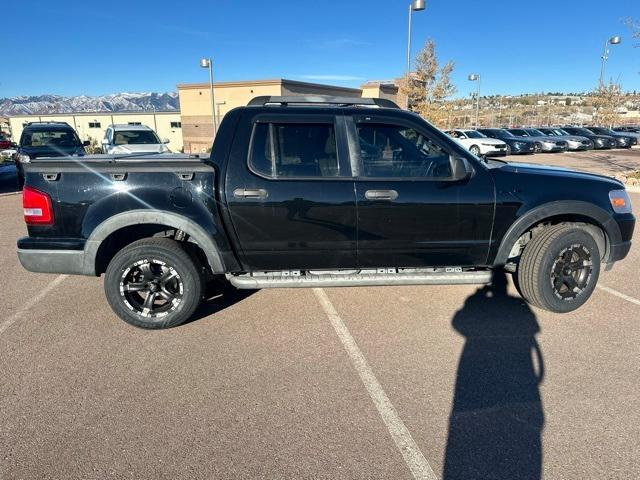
(219, 296)
(497, 416)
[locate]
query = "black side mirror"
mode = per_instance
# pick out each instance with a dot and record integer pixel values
(460, 168)
(86, 143)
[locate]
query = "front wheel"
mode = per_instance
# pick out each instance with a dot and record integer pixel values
(537, 148)
(154, 283)
(475, 150)
(559, 268)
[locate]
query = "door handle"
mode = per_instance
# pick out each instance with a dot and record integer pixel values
(259, 193)
(381, 194)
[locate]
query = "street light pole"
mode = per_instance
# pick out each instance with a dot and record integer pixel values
(605, 55)
(415, 6)
(474, 77)
(207, 63)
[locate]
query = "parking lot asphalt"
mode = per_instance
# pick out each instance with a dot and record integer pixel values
(453, 382)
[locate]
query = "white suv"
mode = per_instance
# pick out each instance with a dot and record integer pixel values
(125, 139)
(478, 143)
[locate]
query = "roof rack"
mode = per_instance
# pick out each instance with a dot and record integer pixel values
(322, 100)
(55, 122)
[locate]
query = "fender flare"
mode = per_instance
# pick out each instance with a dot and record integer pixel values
(601, 217)
(137, 217)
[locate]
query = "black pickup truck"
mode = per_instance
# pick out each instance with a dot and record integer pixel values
(314, 192)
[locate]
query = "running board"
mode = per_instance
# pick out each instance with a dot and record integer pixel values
(251, 281)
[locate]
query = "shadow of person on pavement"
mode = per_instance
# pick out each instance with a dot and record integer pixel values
(497, 417)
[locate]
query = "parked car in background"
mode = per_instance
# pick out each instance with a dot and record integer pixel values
(478, 143)
(544, 143)
(128, 139)
(574, 142)
(515, 145)
(600, 142)
(623, 140)
(5, 141)
(46, 139)
(632, 131)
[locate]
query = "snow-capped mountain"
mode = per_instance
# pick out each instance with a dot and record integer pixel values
(118, 102)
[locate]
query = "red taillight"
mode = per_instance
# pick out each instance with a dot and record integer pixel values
(37, 207)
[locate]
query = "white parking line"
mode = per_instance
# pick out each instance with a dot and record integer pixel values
(413, 457)
(619, 294)
(31, 303)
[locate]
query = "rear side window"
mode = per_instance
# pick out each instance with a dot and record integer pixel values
(294, 150)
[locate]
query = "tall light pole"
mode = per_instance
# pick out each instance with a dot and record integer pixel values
(605, 55)
(474, 77)
(207, 63)
(415, 6)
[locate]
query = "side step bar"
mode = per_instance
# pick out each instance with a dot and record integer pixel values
(249, 281)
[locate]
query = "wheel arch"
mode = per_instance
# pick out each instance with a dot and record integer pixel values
(127, 222)
(559, 212)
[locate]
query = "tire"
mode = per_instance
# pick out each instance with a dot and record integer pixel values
(158, 267)
(508, 149)
(537, 148)
(475, 150)
(549, 274)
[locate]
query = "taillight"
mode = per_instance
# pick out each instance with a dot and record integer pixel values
(37, 207)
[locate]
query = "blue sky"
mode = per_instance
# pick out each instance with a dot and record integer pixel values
(74, 47)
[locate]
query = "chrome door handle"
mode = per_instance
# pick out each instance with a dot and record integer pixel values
(259, 193)
(381, 194)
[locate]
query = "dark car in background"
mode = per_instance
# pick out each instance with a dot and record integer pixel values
(47, 139)
(574, 142)
(515, 145)
(600, 142)
(544, 143)
(622, 140)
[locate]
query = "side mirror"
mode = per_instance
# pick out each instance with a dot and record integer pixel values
(165, 140)
(460, 168)
(86, 143)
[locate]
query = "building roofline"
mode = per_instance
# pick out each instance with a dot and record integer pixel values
(101, 113)
(275, 81)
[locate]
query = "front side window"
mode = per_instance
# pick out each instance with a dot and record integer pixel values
(294, 150)
(135, 137)
(400, 152)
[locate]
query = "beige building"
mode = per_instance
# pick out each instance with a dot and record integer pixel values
(195, 103)
(91, 126)
(192, 127)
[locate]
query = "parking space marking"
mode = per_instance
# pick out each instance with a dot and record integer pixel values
(31, 303)
(619, 294)
(413, 457)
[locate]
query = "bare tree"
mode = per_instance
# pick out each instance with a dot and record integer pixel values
(607, 99)
(429, 86)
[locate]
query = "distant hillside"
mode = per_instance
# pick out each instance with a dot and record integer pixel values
(118, 102)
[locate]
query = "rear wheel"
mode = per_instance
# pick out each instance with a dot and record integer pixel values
(508, 149)
(154, 283)
(475, 150)
(559, 268)
(537, 148)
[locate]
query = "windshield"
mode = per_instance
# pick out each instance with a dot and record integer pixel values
(50, 138)
(600, 130)
(502, 133)
(474, 134)
(579, 131)
(535, 133)
(135, 137)
(559, 131)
